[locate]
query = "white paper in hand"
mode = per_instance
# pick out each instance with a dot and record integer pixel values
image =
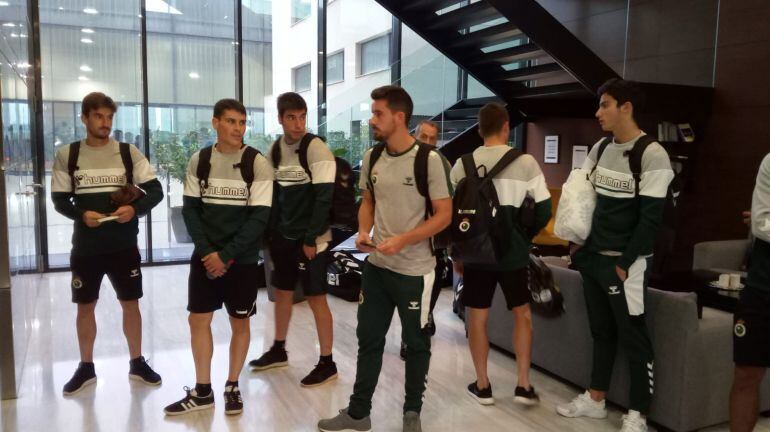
(576, 208)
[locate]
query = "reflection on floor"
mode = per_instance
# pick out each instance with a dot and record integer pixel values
(274, 401)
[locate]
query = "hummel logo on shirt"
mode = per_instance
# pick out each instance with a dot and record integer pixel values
(414, 305)
(614, 290)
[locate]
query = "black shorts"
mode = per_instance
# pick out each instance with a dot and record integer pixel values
(291, 265)
(479, 287)
(122, 268)
(751, 330)
(237, 289)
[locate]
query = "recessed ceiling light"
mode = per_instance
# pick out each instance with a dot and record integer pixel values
(83, 78)
(90, 11)
(14, 35)
(9, 24)
(87, 30)
(61, 8)
(193, 75)
(4, 3)
(86, 68)
(86, 41)
(24, 65)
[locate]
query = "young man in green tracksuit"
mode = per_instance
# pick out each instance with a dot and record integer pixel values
(400, 270)
(85, 175)
(227, 197)
(751, 334)
(518, 180)
(299, 243)
(615, 259)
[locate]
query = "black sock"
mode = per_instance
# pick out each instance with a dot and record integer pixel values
(88, 366)
(352, 416)
(279, 344)
(326, 359)
(135, 360)
(203, 389)
(231, 383)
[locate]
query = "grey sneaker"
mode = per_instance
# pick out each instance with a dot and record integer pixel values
(412, 422)
(344, 422)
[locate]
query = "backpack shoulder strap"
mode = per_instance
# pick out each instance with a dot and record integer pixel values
(602, 146)
(373, 158)
(421, 169)
(247, 165)
(72, 162)
(128, 163)
(275, 153)
(507, 159)
(304, 145)
(204, 165)
(635, 158)
(469, 165)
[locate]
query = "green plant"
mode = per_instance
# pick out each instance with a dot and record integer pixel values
(172, 154)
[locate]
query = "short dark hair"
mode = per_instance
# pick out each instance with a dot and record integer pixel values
(623, 91)
(290, 101)
(228, 104)
(492, 117)
(397, 99)
(96, 100)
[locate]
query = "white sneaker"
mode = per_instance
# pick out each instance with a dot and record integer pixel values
(634, 422)
(583, 406)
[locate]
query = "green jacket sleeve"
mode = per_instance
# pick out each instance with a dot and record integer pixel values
(323, 169)
(192, 210)
(153, 196)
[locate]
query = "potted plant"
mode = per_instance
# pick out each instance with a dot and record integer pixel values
(172, 156)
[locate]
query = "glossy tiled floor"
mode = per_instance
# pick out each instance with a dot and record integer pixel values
(274, 401)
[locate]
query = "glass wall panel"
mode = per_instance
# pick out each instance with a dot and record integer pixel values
(87, 47)
(191, 58)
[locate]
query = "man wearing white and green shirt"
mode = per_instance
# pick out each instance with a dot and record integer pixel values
(615, 260)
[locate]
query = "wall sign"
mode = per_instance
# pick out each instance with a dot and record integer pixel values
(551, 149)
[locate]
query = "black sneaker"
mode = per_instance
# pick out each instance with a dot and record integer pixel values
(273, 358)
(142, 372)
(402, 352)
(482, 396)
(526, 397)
(191, 402)
(84, 376)
(233, 400)
(322, 373)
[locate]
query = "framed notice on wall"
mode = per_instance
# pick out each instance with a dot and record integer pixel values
(579, 154)
(551, 153)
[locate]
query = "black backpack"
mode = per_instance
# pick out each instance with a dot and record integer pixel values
(343, 276)
(442, 239)
(344, 212)
(246, 166)
(125, 156)
(477, 234)
(545, 296)
(664, 242)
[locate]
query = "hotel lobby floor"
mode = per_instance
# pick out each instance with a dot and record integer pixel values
(273, 400)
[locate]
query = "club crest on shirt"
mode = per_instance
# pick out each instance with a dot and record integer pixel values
(408, 181)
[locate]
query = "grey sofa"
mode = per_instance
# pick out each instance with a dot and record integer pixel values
(721, 256)
(693, 357)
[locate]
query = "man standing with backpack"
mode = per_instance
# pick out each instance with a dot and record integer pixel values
(86, 176)
(304, 172)
(516, 182)
(631, 174)
(227, 196)
(751, 333)
(407, 199)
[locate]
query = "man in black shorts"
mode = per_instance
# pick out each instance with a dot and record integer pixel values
(751, 334)
(227, 197)
(299, 243)
(85, 175)
(521, 178)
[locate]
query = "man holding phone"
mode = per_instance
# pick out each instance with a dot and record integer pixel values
(399, 273)
(87, 174)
